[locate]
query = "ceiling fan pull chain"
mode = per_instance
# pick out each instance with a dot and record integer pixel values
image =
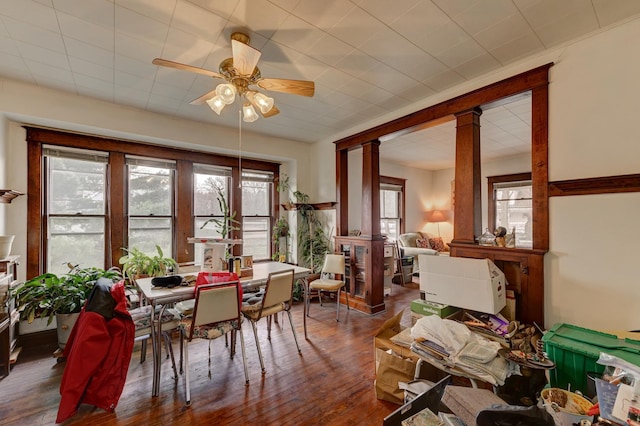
(240, 147)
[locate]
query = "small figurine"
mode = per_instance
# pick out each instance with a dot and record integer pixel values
(510, 239)
(500, 233)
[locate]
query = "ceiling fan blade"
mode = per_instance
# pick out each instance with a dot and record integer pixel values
(273, 111)
(297, 87)
(178, 65)
(245, 57)
(202, 99)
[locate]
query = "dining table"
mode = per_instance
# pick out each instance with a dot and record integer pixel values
(163, 296)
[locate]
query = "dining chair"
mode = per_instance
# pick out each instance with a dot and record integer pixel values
(333, 265)
(169, 321)
(278, 295)
(216, 312)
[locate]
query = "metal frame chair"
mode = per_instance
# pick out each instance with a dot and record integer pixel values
(278, 296)
(215, 313)
(333, 264)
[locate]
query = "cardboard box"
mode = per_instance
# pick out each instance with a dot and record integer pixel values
(427, 307)
(382, 342)
(475, 284)
(466, 402)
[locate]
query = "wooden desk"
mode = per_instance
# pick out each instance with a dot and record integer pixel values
(159, 296)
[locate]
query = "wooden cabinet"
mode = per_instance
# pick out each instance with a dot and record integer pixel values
(8, 310)
(389, 266)
(363, 276)
(524, 271)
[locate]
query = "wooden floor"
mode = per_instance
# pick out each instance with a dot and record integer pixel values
(330, 383)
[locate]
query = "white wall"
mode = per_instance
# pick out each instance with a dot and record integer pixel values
(418, 193)
(21, 103)
(594, 98)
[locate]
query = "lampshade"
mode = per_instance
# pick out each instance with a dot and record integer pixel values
(226, 92)
(436, 216)
(263, 102)
(249, 114)
(333, 264)
(216, 103)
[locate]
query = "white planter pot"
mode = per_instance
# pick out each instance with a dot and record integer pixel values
(38, 324)
(5, 245)
(65, 325)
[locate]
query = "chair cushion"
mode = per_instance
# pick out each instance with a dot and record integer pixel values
(326, 284)
(142, 316)
(185, 307)
(252, 311)
(208, 331)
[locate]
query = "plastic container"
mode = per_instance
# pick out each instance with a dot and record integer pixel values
(575, 351)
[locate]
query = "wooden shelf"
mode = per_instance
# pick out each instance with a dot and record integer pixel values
(7, 195)
(195, 240)
(314, 206)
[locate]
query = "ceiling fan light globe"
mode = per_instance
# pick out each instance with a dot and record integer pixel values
(264, 102)
(249, 114)
(217, 104)
(226, 92)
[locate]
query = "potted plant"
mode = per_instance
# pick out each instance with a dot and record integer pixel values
(280, 230)
(135, 263)
(228, 222)
(49, 295)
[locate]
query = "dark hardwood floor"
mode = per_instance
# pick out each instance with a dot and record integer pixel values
(330, 383)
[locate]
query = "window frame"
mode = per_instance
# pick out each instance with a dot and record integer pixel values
(400, 183)
(50, 152)
(117, 183)
(270, 178)
(491, 204)
(158, 164)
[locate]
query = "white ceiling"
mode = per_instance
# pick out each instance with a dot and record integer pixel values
(367, 57)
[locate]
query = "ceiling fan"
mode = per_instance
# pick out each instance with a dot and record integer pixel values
(242, 75)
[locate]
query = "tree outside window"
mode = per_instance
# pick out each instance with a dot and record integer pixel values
(75, 209)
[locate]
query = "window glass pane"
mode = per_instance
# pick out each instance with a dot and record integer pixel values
(255, 198)
(390, 228)
(76, 186)
(145, 233)
(389, 201)
(256, 238)
(513, 211)
(149, 191)
(390, 213)
(205, 197)
(75, 240)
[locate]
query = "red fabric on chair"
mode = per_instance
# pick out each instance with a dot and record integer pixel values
(97, 357)
(229, 278)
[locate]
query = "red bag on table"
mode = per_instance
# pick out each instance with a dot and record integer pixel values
(219, 277)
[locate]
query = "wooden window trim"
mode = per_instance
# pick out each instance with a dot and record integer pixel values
(491, 202)
(389, 180)
(116, 175)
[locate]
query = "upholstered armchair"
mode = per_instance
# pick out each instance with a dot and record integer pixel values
(416, 243)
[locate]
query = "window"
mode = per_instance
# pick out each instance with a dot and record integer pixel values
(208, 183)
(511, 206)
(257, 195)
(91, 196)
(75, 208)
(150, 202)
(391, 207)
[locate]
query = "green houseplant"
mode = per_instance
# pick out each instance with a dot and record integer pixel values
(50, 295)
(280, 230)
(228, 222)
(135, 263)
